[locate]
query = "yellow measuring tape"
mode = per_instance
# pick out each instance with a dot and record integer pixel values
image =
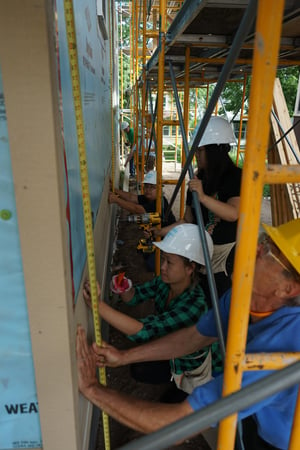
(87, 211)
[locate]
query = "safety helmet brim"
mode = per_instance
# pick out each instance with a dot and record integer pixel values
(150, 177)
(287, 239)
(218, 131)
(184, 240)
(124, 125)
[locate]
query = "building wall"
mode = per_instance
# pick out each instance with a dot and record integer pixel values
(41, 274)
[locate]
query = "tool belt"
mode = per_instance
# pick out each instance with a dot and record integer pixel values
(190, 379)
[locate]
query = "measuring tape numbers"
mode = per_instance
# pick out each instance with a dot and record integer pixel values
(87, 212)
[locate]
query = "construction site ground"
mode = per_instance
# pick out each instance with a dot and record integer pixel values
(127, 258)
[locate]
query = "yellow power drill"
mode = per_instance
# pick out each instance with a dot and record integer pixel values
(146, 218)
(146, 221)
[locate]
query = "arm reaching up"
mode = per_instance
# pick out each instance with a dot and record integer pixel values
(117, 319)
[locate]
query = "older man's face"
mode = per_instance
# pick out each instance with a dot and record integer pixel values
(269, 270)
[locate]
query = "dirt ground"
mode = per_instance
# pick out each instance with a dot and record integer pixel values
(128, 259)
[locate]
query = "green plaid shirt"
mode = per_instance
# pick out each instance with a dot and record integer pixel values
(182, 311)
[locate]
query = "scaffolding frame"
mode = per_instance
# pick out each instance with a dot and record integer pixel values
(270, 50)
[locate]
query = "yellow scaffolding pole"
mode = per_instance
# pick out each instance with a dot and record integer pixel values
(295, 436)
(131, 41)
(269, 361)
(268, 26)
(186, 109)
(240, 61)
(241, 120)
(160, 100)
(143, 137)
(122, 82)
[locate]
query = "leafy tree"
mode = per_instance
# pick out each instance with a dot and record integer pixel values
(289, 81)
(233, 92)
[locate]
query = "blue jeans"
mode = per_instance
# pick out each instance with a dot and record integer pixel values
(131, 167)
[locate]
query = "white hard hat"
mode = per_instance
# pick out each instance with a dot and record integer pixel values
(124, 125)
(150, 177)
(184, 240)
(217, 131)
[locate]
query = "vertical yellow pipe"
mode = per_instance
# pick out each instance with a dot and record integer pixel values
(186, 109)
(207, 94)
(121, 59)
(112, 106)
(176, 142)
(131, 40)
(136, 62)
(154, 15)
(176, 131)
(144, 89)
(196, 106)
(216, 108)
(122, 82)
(136, 39)
(195, 115)
(268, 27)
(241, 119)
(132, 63)
(160, 100)
(295, 436)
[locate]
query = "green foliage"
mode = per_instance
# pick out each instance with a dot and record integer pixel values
(266, 191)
(232, 97)
(124, 44)
(289, 81)
(233, 92)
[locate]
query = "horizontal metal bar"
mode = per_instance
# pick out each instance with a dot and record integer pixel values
(269, 361)
(170, 122)
(200, 420)
(278, 174)
(169, 182)
(241, 61)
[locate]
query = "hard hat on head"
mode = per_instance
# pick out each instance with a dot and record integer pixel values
(287, 239)
(150, 177)
(124, 125)
(184, 240)
(217, 131)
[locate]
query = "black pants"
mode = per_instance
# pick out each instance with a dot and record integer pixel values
(150, 261)
(151, 372)
(251, 439)
(158, 372)
(131, 167)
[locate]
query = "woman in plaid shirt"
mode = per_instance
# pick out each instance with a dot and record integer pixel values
(179, 302)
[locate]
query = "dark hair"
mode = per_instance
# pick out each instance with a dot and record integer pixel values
(195, 278)
(218, 164)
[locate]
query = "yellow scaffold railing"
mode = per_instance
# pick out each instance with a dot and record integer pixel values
(255, 175)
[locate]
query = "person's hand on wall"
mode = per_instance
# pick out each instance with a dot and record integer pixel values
(87, 293)
(112, 197)
(86, 363)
